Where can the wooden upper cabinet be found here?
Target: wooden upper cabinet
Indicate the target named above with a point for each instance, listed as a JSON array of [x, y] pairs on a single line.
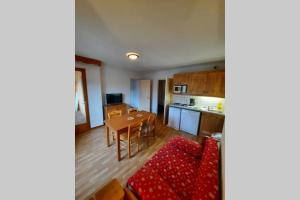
[[198, 84], [207, 83], [176, 79], [181, 79], [216, 84]]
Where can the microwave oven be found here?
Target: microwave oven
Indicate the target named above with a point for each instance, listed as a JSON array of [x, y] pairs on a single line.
[[177, 89], [180, 89]]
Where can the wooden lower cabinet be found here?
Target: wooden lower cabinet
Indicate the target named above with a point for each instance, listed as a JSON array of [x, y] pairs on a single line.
[[211, 123], [108, 108]]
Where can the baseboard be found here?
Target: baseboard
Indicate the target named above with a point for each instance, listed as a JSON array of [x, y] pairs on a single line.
[[97, 126]]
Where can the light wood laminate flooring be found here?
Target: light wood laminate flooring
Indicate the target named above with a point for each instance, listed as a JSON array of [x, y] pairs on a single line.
[[96, 164]]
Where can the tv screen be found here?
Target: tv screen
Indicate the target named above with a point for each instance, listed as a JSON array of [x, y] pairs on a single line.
[[114, 98]]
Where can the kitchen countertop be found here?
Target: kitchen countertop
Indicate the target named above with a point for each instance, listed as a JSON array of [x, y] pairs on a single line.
[[197, 108]]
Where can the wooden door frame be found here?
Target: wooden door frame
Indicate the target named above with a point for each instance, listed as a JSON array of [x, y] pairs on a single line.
[[87, 126]]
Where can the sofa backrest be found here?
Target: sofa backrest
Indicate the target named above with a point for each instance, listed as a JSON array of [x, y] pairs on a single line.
[[207, 184], [186, 145]]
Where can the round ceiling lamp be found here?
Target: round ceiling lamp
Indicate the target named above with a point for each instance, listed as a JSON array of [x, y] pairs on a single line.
[[132, 55]]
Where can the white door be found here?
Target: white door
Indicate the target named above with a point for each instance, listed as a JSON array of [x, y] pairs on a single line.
[[189, 121], [174, 117], [145, 95]]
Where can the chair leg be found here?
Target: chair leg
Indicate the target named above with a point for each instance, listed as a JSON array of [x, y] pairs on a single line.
[[129, 148], [113, 135], [147, 137], [138, 144]]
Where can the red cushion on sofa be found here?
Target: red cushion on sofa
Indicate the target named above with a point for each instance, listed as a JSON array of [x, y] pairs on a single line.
[[150, 186], [186, 145], [206, 186], [177, 168]]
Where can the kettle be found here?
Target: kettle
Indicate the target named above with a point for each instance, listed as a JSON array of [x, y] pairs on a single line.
[[192, 101]]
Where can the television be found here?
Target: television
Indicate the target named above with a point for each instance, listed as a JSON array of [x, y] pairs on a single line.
[[115, 98]]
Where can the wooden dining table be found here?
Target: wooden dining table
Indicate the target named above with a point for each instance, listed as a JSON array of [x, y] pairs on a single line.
[[120, 125]]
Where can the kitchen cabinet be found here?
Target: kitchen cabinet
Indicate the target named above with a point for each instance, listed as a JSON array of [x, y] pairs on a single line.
[[189, 121], [207, 83], [181, 79], [174, 117], [211, 123], [198, 84], [215, 84]]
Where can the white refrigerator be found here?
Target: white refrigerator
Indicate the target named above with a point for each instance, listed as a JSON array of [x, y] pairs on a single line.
[[174, 117], [190, 121]]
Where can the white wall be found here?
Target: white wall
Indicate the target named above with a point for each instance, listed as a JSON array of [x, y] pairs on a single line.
[[94, 90], [117, 80], [162, 74], [134, 93]]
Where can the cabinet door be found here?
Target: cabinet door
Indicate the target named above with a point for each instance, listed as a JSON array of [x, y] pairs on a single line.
[[185, 79], [189, 121], [198, 84], [215, 84], [211, 123], [180, 79], [174, 117], [176, 79]]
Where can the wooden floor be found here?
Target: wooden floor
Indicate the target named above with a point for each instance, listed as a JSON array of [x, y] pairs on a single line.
[[96, 164]]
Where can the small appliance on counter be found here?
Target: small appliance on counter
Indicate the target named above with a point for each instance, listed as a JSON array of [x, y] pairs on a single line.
[[192, 101], [219, 106]]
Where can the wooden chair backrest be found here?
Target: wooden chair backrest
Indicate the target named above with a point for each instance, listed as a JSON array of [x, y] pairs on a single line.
[[114, 113], [131, 110], [135, 129], [152, 120]]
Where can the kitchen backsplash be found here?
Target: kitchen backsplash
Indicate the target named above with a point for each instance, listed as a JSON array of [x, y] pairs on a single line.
[[199, 100]]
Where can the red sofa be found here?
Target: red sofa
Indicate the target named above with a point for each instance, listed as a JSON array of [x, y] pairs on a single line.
[[181, 169]]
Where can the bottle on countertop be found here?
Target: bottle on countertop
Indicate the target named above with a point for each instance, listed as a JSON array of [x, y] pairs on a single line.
[[220, 106]]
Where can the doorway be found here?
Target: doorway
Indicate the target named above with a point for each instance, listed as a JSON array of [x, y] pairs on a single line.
[[161, 99], [82, 118]]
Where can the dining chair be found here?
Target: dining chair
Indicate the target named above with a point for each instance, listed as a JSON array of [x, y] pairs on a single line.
[[114, 114], [133, 134], [150, 125], [131, 110]]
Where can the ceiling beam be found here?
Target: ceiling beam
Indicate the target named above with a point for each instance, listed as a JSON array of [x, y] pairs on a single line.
[[88, 60]]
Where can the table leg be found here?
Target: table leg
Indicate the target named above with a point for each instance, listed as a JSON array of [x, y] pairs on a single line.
[[107, 135], [118, 146]]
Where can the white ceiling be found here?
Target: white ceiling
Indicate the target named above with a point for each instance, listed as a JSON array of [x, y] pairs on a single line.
[[166, 33]]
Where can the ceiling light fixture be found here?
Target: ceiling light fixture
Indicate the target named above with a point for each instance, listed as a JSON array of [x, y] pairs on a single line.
[[132, 55]]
